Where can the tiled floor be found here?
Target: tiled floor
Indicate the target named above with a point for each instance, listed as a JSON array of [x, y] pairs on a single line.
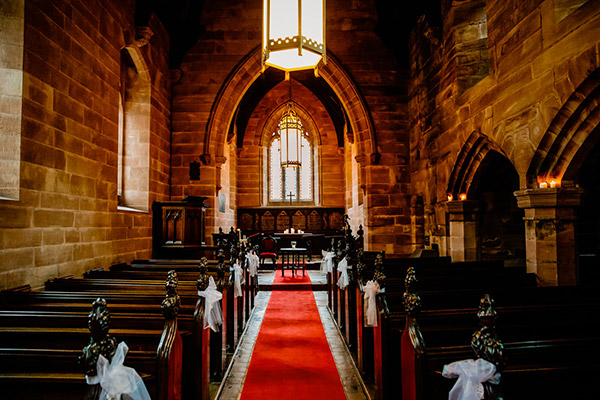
[[231, 387]]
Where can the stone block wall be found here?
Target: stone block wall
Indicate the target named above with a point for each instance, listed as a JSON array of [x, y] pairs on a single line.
[[66, 219], [536, 61], [233, 32]]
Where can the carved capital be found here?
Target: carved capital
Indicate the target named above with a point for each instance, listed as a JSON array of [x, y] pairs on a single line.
[[142, 35], [206, 159]]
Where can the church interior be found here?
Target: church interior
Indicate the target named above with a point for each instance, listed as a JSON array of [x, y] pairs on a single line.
[[443, 149]]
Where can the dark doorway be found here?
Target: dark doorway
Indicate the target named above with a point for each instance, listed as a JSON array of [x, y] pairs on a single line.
[[501, 226], [587, 230]]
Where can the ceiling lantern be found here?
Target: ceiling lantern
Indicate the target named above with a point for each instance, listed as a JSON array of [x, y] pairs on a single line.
[[290, 133], [293, 34]]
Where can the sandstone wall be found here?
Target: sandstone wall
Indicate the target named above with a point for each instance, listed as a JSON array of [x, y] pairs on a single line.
[[539, 53], [65, 220], [233, 31]]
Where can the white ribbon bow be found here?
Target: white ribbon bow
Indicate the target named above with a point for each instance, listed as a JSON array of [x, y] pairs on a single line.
[[238, 279], [116, 379], [252, 263], [213, 315], [343, 268], [471, 374], [371, 289], [327, 262]]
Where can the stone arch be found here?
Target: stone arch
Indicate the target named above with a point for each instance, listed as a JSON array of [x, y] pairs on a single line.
[[274, 118], [249, 69], [469, 159], [571, 134]]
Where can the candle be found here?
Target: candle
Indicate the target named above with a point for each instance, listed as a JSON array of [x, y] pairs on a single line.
[[450, 197], [552, 184], [292, 230], [463, 196], [543, 185], [239, 234]]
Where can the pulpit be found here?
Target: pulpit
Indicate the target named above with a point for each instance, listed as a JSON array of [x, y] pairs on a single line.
[[178, 229]]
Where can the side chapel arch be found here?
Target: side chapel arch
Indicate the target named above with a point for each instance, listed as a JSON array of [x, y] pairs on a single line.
[[469, 159], [571, 135]]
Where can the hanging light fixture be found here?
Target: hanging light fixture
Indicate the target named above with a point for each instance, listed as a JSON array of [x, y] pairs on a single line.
[[290, 134], [293, 34]]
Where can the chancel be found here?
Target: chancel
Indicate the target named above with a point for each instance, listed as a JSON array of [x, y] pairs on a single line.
[[299, 199]]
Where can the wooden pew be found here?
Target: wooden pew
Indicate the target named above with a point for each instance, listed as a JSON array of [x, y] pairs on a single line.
[[468, 276], [543, 356], [39, 351]]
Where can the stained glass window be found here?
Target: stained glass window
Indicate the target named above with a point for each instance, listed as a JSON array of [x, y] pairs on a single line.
[[295, 183]]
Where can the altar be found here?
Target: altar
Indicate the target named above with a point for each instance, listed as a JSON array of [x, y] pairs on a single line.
[[309, 241], [318, 224]]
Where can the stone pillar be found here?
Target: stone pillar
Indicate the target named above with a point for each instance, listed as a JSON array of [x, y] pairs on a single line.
[[550, 233], [464, 226]]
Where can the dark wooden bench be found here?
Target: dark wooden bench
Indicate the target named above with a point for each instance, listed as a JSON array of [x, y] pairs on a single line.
[[40, 349]]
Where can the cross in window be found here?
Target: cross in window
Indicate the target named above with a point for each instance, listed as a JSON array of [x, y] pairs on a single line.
[[291, 196]]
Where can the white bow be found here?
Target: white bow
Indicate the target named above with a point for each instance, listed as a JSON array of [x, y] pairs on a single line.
[[116, 379], [343, 268], [238, 279], [471, 374], [213, 316], [327, 262], [252, 263], [371, 289]]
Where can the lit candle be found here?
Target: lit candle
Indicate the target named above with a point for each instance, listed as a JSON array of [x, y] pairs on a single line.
[[543, 185], [450, 197], [292, 230], [239, 234], [552, 184], [463, 196]]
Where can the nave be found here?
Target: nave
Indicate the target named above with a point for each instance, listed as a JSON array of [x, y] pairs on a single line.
[[237, 376]]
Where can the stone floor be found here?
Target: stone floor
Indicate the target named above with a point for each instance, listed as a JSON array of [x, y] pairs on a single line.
[[231, 387]]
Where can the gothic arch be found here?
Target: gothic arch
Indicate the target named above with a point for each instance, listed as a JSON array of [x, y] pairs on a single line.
[[572, 133], [469, 159], [275, 117], [249, 69]]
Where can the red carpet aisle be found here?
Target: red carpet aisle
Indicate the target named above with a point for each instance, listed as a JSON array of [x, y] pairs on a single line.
[[291, 358]]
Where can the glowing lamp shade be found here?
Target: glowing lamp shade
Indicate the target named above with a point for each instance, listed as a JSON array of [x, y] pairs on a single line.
[[293, 34], [290, 132]]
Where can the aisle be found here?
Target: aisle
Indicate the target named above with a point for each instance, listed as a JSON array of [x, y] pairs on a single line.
[[291, 358], [231, 387]]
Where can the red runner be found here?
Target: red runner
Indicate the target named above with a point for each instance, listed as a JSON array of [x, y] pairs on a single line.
[[291, 358], [287, 279]]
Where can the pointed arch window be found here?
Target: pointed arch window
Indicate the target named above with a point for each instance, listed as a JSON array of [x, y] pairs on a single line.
[[291, 181]]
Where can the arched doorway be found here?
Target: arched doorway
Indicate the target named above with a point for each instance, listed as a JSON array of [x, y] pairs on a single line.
[[501, 227], [587, 229]]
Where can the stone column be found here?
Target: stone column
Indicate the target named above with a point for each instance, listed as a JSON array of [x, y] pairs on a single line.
[[550, 233], [464, 226]]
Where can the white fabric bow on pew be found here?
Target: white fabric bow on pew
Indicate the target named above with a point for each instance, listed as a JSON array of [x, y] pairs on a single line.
[[471, 374], [252, 263], [118, 381], [238, 279], [343, 268], [327, 262], [213, 315], [371, 289]]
